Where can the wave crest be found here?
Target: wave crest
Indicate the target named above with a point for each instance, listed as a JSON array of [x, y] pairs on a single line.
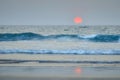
[[33, 36], [75, 52]]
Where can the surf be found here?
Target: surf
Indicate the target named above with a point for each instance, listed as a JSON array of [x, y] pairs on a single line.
[[69, 52], [34, 36]]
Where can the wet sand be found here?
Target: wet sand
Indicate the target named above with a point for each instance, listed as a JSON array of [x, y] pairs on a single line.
[[53, 60], [59, 73]]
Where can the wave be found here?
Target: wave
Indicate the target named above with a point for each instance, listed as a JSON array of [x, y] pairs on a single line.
[[9, 61], [75, 52], [33, 36]]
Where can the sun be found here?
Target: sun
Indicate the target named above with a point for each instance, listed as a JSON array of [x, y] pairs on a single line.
[[78, 70], [78, 20]]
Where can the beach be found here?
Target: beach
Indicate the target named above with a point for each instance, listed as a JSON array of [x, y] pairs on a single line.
[[59, 72], [48, 67], [63, 52], [59, 60]]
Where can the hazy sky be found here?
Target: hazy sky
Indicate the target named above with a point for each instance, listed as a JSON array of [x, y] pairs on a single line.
[[59, 12]]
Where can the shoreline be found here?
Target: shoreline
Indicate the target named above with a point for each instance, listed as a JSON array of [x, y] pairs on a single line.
[[59, 60]]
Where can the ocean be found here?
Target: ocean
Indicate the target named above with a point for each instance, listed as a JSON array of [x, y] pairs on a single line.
[[66, 39], [55, 52]]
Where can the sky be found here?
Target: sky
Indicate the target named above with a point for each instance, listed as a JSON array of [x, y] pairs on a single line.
[[59, 12]]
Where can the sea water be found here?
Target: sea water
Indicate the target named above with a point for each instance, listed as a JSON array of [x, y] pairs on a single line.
[[60, 39]]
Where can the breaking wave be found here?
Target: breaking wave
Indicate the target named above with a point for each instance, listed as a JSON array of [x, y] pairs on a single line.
[[75, 52], [34, 36]]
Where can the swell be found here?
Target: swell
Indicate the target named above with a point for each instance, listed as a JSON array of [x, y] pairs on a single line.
[[9, 61], [74, 52], [34, 36]]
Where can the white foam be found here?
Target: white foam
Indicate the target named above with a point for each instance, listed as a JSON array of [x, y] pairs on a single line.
[[61, 51]]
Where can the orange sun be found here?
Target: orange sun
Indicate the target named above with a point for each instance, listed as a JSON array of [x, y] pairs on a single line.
[[78, 20], [78, 70]]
